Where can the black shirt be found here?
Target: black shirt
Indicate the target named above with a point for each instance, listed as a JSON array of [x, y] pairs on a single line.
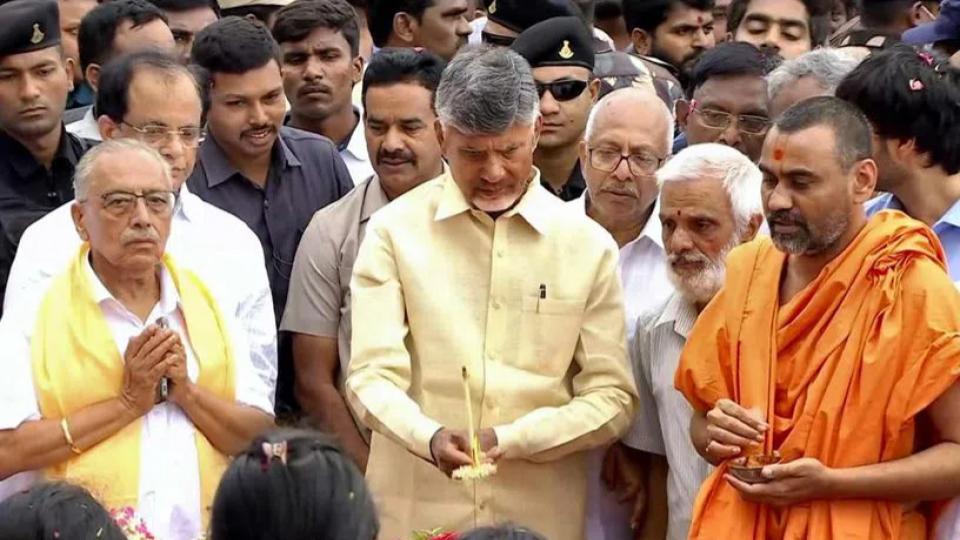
[[28, 191], [572, 189], [306, 174]]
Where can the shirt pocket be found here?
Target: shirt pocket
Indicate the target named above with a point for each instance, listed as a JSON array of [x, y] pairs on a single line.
[[549, 332]]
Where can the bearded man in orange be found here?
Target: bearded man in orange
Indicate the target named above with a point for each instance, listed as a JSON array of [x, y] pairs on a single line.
[[834, 342]]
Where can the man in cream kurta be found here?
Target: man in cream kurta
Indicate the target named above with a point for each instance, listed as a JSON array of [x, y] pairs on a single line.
[[528, 301]]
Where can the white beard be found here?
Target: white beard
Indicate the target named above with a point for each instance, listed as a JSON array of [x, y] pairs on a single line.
[[701, 287]]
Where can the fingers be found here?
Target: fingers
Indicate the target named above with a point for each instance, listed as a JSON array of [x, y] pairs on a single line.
[[159, 352], [752, 418], [454, 457], [136, 342], [494, 455], [746, 433], [727, 438], [722, 451]]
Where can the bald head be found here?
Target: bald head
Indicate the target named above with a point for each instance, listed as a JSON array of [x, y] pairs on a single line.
[[633, 110]]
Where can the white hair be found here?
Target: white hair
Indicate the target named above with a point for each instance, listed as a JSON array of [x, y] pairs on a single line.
[[740, 177], [83, 173], [640, 95], [827, 66]]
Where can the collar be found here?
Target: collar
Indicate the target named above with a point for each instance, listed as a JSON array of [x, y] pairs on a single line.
[[374, 198], [23, 162], [169, 297], [533, 206], [652, 230], [356, 144], [889, 201], [679, 313], [188, 209], [218, 168]]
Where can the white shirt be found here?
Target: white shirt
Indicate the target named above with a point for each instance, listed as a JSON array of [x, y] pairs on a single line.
[[86, 127], [643, 273], [169, 490], [355, 155], [662, 426]]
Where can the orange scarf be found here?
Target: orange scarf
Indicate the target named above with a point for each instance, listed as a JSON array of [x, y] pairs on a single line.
[[841, 371]]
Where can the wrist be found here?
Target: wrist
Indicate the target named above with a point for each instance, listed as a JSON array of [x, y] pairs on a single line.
[[836, 482], [184, 394], [433, 454]]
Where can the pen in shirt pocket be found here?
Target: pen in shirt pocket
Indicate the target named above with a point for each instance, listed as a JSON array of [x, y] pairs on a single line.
[[543, 295]]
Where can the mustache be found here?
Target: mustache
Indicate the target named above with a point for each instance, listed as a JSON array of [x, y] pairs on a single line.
[[130, 236], [688, 257], [314, 88], [248, 131], [786, 217], [397, 155]]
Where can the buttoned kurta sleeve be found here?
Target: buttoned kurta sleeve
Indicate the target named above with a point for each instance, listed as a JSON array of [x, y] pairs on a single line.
[[380, 365], [605, 396]]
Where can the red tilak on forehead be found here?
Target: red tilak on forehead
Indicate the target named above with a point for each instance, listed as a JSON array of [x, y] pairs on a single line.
[[699, 19], [778, 154]]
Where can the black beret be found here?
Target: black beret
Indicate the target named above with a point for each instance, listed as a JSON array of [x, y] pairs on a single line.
[[560, 41], [28, 25], [518, 15]]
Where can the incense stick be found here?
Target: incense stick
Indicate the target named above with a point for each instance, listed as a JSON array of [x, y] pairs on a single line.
[[474, 443]]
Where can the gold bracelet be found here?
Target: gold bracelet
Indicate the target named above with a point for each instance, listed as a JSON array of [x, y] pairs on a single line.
[[66, 435]]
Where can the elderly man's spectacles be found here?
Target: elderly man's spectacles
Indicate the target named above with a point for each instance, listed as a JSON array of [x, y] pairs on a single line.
[[750, 124], [155, 135], [122, 203], [640, 164]]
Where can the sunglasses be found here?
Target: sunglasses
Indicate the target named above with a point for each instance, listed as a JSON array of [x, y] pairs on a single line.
[[562, 90], [496, 39]]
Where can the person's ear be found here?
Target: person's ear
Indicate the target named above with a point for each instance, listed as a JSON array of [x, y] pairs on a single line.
[[642, 41], [683, 113], [71, 68], [537, 128], [584, 152], [864, 180], [594, 88], [92, 76], [76, 212], [357, 75], [405, 27], [906, 151], [108, 128], [753, 226], [441, 139]]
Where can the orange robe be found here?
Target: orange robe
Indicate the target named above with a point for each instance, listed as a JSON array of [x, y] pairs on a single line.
[[841, 370]]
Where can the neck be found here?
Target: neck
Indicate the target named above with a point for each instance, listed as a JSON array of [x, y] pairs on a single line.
[[394, 193], [42, 148], [137, 290], [336, 127], [623, 229], [929, 194], [800, 270], [556, 164]]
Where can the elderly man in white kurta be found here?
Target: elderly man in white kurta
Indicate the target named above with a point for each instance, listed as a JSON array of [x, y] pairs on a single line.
[[483, 268], [82, 398]]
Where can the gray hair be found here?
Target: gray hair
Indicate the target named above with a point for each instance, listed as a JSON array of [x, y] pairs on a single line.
[[485, 90], [741, 178], [640, 95], [83, 173], [827, 66]]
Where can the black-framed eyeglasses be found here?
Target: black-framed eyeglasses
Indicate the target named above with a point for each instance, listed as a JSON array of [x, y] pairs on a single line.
[[640, 164], [155, 135], [496, 39], [750, 124], [564, 90], [122, 203]]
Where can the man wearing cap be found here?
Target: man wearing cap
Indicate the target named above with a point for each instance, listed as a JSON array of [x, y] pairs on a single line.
[[943, 33], [507, 19], [440, 26], [560, 51], [264, 11], [39, 156]]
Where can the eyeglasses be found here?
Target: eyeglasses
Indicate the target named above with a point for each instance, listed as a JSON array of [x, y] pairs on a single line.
[[562, 90], [155, 135], [746, 123], [122, 203], [496, 39], [640, 164]]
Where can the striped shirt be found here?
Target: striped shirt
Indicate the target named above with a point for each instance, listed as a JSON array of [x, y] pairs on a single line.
[[662, 427]]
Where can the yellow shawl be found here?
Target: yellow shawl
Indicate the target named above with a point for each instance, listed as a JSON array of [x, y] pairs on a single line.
[[76, 364]]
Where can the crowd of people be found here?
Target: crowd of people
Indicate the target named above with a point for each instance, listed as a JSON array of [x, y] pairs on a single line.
[[487, 270]]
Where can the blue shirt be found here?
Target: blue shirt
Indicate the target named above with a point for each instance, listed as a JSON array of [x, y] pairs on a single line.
[[947, 228]]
